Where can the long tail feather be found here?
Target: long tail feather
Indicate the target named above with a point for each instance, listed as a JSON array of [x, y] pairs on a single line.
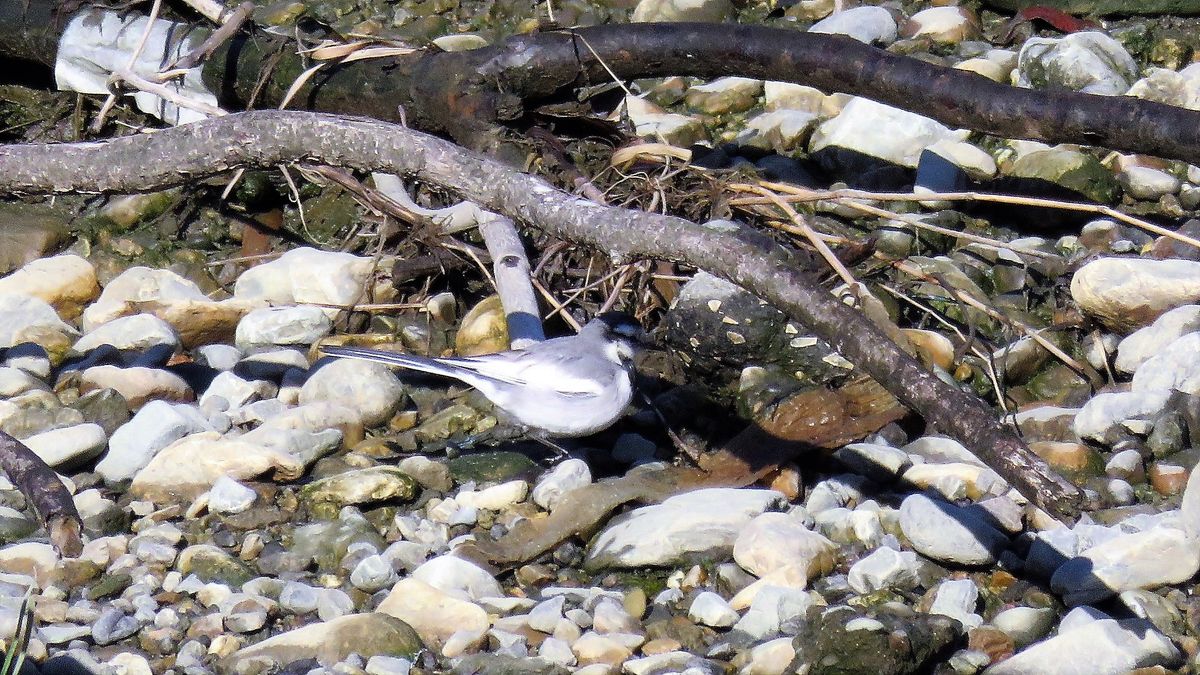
[[410, 361]]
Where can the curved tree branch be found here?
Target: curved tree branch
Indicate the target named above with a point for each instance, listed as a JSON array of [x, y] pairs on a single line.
[[177, 155]]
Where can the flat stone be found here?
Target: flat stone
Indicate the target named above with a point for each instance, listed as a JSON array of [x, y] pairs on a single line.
[[948, 533], [693, 525], [307, 275], [138, 332], [331, 642], [878, 130], [1102, 417], [137, 384], [300, 325], [68, 446], [1151, 558], [137, 285], [190, 466], [1104, 647], [154, 427]]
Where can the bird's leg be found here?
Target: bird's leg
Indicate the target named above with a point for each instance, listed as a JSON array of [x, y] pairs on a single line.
[[560, 453]]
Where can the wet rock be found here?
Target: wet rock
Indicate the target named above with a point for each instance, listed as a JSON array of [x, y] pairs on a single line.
[[370, 389], [491, 467], [881, 131], [1089, 62], [66, 282], [844, 641], [669, 532], [329, 642], [865, 24], [213, 565], [1074, 170], [1127, 293], [949, 533], [1106, 646], [300, 325], [362, 486], [717, 324]]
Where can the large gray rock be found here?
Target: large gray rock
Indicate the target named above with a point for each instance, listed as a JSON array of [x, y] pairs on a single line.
[[948, 533], [154, 427]]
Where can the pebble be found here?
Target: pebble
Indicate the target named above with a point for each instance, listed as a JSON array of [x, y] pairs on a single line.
[[190, 466], [1172, 367], [307, 275], [68, 446], [884, 568], [228, 496], [948, 533], [872, 25], [138, 385], [956, 598], [67, 282], [22, 317], [458, 578], [710, 609], [566, 476], [773, 541], [433, 614], [1148, 559]]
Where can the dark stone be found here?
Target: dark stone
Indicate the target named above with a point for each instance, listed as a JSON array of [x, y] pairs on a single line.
[[908, 644]]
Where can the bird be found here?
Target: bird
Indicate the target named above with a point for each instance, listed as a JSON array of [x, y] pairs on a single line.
[[565, 387]]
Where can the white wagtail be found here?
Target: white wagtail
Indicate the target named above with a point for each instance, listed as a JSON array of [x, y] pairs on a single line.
[[565, 387]]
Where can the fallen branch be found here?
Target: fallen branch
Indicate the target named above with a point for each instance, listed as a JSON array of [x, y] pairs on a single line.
[[45, 492], [179, 155]]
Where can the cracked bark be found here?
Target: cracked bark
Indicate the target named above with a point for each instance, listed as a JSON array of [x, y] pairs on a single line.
[[263, 139], [44, 491]]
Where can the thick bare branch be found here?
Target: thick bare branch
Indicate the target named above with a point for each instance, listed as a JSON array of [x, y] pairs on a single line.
[[174, 156]]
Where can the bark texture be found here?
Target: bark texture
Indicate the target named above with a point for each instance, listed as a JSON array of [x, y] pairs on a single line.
[[174, 156]]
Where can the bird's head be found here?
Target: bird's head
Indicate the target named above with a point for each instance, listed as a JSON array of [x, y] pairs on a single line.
[[621, 331]]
